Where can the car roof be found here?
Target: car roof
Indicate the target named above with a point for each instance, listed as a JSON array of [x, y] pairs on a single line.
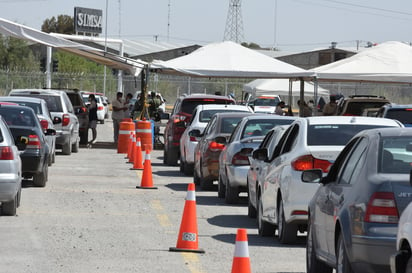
[[232, 114], [268, 116], [397, 106], [350, 120], [202, 96], [22, 99], [37, 91], [222, 106]]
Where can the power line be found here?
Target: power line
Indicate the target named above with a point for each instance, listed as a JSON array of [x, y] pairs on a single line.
[[369, 7]]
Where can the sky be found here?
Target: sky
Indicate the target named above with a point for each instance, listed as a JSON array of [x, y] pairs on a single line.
[[288, 25]]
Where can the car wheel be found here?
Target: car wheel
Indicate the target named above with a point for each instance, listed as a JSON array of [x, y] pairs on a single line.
[[287, 232], [313, 265], [9, 208], [264, 228], [231, 194], [50, 160], [40, 179], [342, 261], [54, 157], [84, 137], [75, 147], [102, 121], [251, 210], [164, 156], [181, 167], [221, 189], [409, 265], [187, 169], [19, 197], [67, 148]]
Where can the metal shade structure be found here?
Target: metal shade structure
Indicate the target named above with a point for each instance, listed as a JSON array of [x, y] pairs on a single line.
[[9, 28]]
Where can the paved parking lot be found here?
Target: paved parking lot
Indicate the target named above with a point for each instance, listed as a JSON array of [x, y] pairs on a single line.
[[91, 218]]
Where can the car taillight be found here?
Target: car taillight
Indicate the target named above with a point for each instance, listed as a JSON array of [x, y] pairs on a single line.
[[84, 109], [308, 162], [350, 115], [240, 159], [214, 146], [6, 153], [65, 119], [100, 108], [34, 142], [382, 208], [178, 118], [193, 139], [44, 124]]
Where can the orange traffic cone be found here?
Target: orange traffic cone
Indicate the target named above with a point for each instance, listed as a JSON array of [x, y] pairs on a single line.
[[241, 262], [132, 144], [147, 181], [137, 162], [187, 240]]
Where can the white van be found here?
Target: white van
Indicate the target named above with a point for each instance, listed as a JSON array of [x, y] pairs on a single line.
[[264, 103]]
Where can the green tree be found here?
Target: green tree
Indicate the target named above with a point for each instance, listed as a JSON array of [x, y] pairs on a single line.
[[64, 24], [16, 54]]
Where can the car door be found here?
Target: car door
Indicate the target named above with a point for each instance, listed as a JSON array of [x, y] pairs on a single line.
[[204, 143], [338, 191]]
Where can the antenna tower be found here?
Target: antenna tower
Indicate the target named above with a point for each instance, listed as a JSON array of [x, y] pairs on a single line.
[[234, 22]]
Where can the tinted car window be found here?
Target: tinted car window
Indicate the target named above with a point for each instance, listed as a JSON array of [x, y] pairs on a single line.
[[189, 105], [229, 124], [353, 164], [403, 115], [260, 127], [395, 155], [35, 106], [17, 117], [266, 102], [356, 108], [53, 102], [206, 115], [332, 134]]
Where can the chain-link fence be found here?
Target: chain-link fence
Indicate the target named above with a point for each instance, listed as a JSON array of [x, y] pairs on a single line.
[[172, 87]]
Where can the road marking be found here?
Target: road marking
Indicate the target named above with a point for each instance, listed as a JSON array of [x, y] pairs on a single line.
[[191, 259]]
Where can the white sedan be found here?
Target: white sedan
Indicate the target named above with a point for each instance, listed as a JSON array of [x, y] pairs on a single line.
[[401, 261]]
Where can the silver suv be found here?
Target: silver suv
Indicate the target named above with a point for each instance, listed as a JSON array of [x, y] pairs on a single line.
[[61, 109]]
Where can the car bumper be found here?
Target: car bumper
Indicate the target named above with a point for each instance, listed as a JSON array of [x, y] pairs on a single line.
[[32, 163], [9, 186], [190, 152], [100, 115], [372, 254], [237, 175], [62, 137]]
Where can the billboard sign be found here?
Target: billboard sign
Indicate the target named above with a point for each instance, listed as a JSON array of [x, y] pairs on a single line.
[[88, 20]]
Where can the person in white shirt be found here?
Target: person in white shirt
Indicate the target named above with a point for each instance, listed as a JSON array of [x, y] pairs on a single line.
[[118, 109]]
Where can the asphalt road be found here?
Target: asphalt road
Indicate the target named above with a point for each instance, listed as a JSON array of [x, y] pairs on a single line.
[[91, 218]]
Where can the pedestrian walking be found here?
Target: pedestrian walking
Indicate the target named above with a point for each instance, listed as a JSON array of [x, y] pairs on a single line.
[[93, 117]]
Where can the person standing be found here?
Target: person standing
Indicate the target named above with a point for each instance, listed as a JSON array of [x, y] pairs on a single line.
[[154, 104], [279, 108], [118, 110], [93, 117], [128, 103], [331, 108]]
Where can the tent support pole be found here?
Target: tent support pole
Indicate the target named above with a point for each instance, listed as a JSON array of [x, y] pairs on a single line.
[[302, 96]]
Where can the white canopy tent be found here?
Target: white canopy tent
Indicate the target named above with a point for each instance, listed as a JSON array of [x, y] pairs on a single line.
[[280, 87], [228, 60], [389, 62]]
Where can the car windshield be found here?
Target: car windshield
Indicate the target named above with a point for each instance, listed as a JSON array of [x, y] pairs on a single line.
[[206, 115], [17, 117], [335, 134], [260, 127], [266, 101], [395, 155], [189, 105], [404, 115]]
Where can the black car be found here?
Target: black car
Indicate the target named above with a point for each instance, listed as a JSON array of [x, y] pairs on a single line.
[[23, 122], [82, 113], [354, 215]]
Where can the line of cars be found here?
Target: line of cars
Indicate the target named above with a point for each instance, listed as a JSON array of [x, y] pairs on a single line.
[[33, 124], [342, 181]]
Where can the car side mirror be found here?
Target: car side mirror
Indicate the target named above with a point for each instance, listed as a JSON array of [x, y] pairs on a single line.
[[312, 176], [57, 120], [221, 140], [50, 132], [195, 133], [260, 154]]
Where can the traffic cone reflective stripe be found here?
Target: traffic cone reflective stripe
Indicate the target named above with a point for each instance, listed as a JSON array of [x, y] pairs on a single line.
[[147, 180], [137, 162], [133, 143], [241, 261], [130, 146], [187, 240]]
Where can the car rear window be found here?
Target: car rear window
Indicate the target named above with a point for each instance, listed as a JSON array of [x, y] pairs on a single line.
[[17, 117], [75, 99], [35, 106], [266, 101], [206, 115], [403, 115], [190, 104], [356, 108], [228, 124], [335, 134], [395, 155], [53, 102], [260, 127]]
